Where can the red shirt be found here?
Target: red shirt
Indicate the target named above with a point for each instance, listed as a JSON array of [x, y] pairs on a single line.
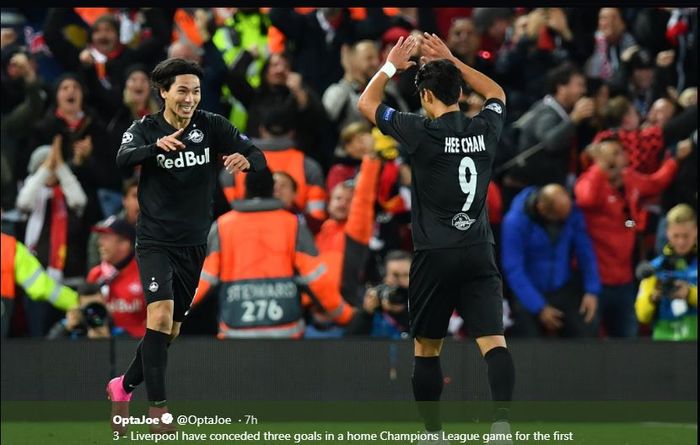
[[606, 209], [125, 299]]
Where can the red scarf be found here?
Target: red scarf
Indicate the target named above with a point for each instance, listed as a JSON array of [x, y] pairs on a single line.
[[72, 125], [59, 230]]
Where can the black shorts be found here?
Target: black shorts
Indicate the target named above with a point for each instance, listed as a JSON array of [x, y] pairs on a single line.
[[466, 279], [170, 273]]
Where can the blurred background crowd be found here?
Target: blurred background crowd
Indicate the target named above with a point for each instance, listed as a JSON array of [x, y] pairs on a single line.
[[593, 201]]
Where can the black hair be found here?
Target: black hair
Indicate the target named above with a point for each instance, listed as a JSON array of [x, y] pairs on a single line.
[[279, 118], [163, 75], [397, 255], [442, 78], [561, 75], [288, 176], [128, 184], [109, 19], [259, 184]]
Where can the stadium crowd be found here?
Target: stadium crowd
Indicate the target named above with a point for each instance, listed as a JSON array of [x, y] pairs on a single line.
[[593, 203]]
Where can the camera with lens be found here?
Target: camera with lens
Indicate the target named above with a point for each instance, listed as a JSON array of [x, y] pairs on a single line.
[[393, 294], [666, 271], [95, 315]]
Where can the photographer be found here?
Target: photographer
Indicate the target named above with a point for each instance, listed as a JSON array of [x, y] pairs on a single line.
[[668, 294], [385, 310], [90, 320]]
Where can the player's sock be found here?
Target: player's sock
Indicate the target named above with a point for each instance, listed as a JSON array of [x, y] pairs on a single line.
[[427, 387], [501, 378], [134, 374], [155, 358]]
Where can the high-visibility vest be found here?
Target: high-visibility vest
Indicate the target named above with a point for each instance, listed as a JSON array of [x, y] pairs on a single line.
[[310, 197], [9, 245], [258, 296]]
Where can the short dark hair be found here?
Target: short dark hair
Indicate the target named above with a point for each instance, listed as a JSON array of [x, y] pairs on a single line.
[[259, 184], [293, 181], [561, 75], [163, 75], [279, 118], [109, 19], [127, 184], [397, 255], [442, 78]]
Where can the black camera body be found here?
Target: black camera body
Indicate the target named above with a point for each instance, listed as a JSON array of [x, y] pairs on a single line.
[[393, 294], [95, 315]]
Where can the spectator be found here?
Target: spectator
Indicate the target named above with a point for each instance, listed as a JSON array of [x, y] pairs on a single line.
[[492, 23], [256, 251], [17, 125], [84, 146], [668, 298], [117, 275], [279, 88], [90, 320], [599, 91], [644, 144], [285, 190], [541, 41], [243, 43], [20, 267], [136, 102], [55, 201], [129, 212], [355, 141], [540, 232], [642, 78], [551, 125], [384, 310], [105, 56], [609, 194], [279, 148], [316, 38], [661, 111], [360, 61], [611, 40], [344, 237], [464, 41]]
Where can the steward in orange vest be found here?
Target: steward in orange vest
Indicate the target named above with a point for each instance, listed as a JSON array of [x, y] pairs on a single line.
[[264, 259], [281, 155]]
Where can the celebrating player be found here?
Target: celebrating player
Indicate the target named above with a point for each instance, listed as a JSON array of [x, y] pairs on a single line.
[[178, 150], [454, 264]]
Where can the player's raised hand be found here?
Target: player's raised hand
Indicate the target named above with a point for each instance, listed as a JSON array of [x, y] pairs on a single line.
[[434, 48], [400, 54], [236, 163], [171, 141]]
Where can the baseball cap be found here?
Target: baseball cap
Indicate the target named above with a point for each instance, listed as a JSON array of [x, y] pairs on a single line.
[[116, 226]]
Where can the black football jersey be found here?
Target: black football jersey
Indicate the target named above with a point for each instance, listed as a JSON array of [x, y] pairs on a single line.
[[176, 188], [451, 162]]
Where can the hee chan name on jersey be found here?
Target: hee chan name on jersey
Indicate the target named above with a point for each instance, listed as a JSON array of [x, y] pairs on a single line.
[[469, 144], [184, 159]]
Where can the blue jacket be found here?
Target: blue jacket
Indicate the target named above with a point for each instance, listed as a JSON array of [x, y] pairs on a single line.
[[533, 264]]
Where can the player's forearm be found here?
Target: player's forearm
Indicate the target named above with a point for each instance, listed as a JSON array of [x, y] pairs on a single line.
[[371, 98], [480, 82], [130, 156]]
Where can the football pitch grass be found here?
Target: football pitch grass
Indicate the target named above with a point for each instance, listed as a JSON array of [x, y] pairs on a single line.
[[97, 433]]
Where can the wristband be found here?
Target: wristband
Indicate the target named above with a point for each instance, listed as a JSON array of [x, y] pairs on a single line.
[[389, 69]]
